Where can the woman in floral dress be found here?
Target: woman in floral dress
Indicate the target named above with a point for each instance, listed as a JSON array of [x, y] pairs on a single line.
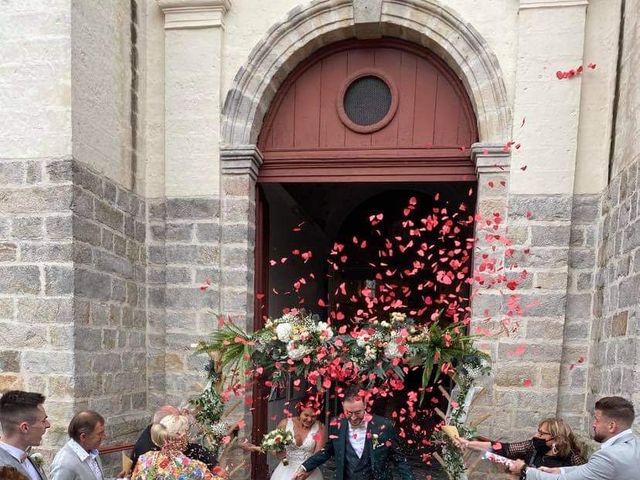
[[169, 463]]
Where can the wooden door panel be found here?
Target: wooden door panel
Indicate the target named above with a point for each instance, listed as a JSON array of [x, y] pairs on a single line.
[[433, 111], [332, 130]]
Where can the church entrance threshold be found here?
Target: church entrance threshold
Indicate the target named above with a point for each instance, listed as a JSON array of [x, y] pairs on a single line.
[[326, 246]]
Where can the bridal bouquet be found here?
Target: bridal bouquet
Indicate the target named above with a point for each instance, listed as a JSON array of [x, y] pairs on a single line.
[[276, 441]]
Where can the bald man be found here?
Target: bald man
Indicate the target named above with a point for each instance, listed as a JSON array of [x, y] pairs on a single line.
[[79, 458]]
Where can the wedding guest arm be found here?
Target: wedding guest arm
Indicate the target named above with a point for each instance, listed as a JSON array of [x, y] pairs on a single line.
[[618, 457]]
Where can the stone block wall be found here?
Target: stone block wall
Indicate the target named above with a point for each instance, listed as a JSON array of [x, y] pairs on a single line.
[[615, 352], [539, 227], [37, 283], [580, 312], [184, 254], [110, 299]]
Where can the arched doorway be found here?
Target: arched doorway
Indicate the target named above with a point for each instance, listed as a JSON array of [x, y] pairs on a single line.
[[352, 126]]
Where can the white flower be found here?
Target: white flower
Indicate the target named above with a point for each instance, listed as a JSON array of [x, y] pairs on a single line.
[[370, 353], [283, 331], [385, 324], [324, 330], [392, 350], [296, 353], [361, 341]]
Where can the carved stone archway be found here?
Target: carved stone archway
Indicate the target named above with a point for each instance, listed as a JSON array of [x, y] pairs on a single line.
[[305, 30]]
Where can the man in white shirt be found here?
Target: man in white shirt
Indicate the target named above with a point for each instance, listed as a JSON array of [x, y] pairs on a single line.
[[619, 454], [365, 446], [79, 458], [24, 422]]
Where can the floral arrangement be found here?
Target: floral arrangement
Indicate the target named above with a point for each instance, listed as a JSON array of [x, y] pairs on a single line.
[[377, 353], [209, 408], [276, 441], [452, 459]]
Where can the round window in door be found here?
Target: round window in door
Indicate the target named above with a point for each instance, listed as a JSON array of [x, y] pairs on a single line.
[[367, 102]]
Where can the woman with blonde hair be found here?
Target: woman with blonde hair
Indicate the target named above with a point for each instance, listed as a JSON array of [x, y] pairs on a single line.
[[553, 445], [171, 435]]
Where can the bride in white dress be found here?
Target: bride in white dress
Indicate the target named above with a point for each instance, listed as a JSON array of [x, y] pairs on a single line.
[[308, 438]]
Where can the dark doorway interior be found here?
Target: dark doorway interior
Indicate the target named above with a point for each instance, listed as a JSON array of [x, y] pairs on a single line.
[[313, 217]]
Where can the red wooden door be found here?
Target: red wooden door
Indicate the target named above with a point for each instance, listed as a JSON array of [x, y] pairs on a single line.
[[425, 135]]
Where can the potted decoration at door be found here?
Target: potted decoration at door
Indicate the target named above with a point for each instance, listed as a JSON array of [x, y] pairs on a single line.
[[275, 441]]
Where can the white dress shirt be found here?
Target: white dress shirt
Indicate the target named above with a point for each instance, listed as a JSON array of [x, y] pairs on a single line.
[[87, 457], [19, 455], [357, 437]]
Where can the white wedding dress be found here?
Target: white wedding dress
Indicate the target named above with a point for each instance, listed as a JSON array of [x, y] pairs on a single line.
[[296, 455]]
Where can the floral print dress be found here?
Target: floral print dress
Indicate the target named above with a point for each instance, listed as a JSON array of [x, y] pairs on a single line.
[[174, 466]]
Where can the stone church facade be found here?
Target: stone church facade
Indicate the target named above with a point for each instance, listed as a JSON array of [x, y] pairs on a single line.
[[128, 166]]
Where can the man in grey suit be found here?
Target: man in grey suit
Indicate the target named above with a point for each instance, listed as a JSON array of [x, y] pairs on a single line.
[[24, 422], [79, 458], [619, 454]]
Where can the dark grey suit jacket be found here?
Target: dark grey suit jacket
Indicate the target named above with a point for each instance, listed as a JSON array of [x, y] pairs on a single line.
[[383, 455]]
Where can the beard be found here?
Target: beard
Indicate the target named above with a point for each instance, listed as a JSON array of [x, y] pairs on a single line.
[[598, 437]]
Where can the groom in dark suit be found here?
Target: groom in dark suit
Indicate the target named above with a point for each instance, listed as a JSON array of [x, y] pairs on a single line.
[[362, 445]]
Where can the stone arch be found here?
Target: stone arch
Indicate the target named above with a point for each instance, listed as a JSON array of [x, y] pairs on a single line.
[[307, 29]]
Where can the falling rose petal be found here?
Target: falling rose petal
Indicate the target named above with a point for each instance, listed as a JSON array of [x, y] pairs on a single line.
[[204, 286], [283, 259], [527, 382], [523, 120], [496, 446], [523, 168], [560, 74], [272, 262], [259, 296], [321, 303], [580, 359], [592, 66], [519, 350]]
